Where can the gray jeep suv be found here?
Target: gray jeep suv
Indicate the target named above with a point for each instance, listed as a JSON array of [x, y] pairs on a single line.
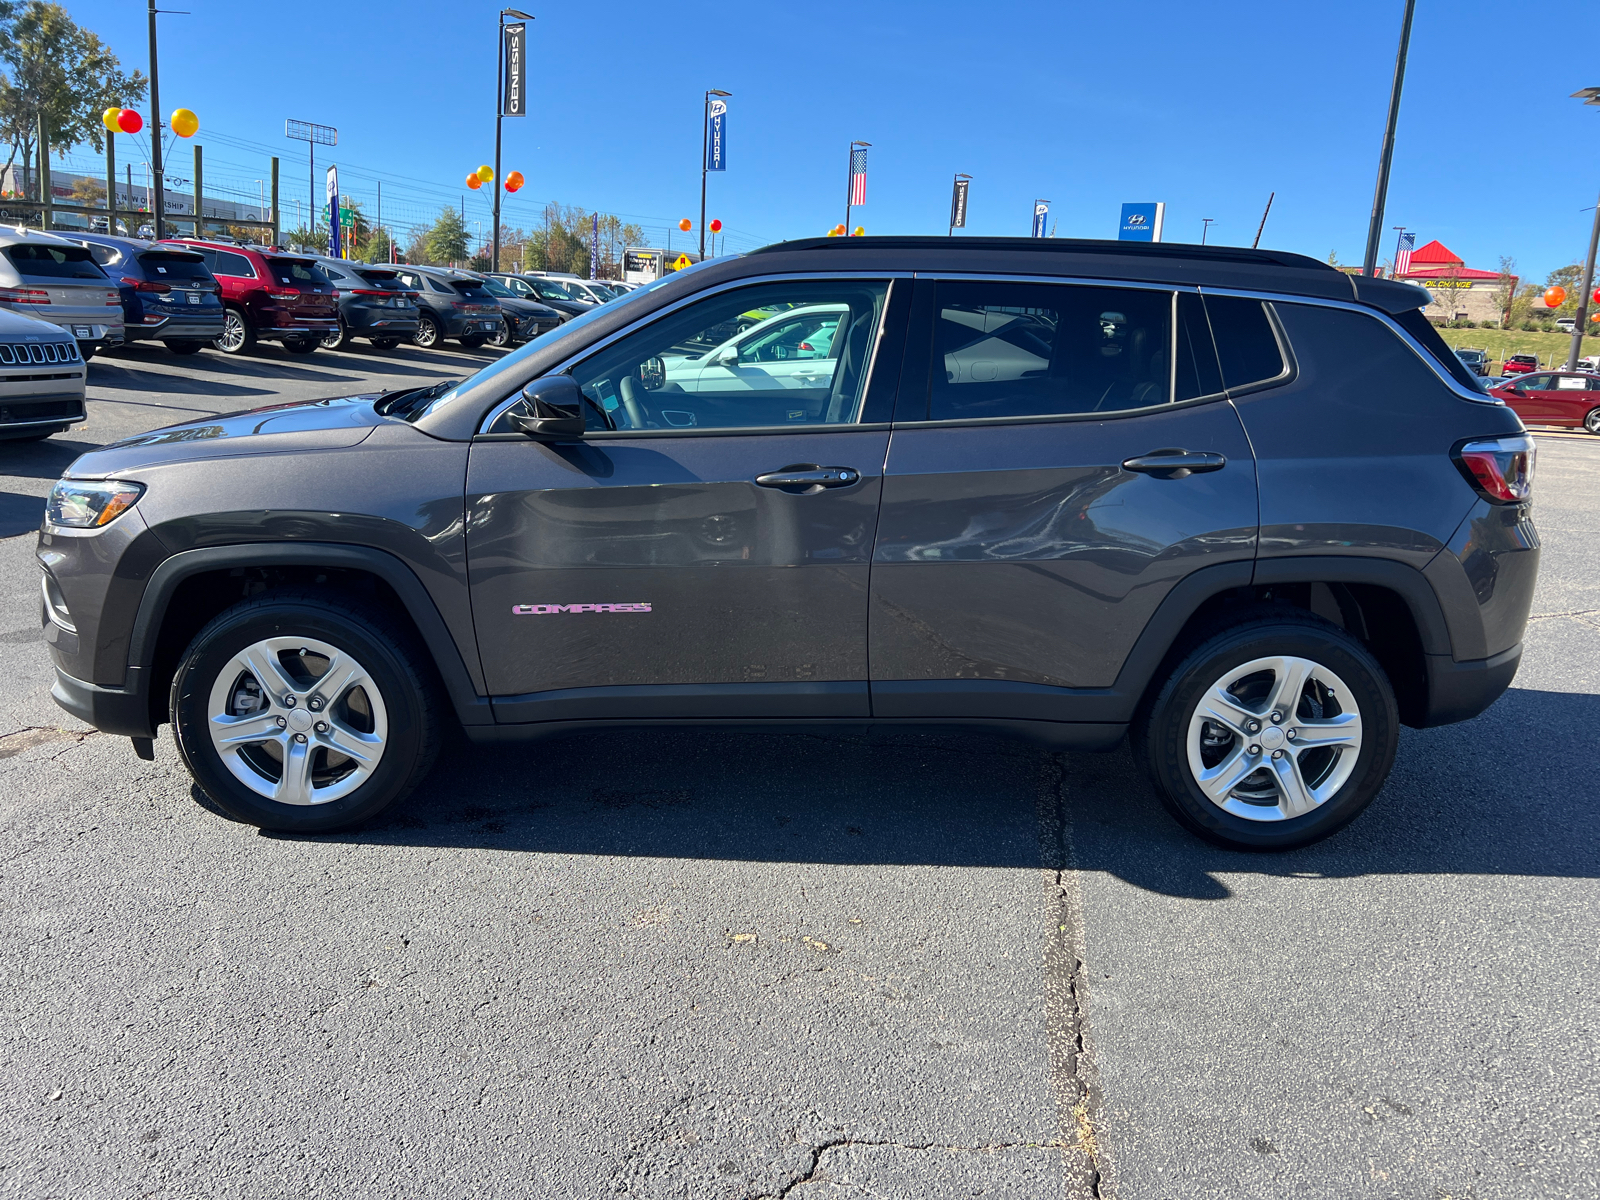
[[1238, 505]]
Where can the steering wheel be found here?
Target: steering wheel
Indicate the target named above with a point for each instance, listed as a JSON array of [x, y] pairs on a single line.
[[638, 416]]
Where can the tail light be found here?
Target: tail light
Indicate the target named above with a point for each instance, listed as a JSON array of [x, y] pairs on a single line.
[[1499, 469], [23, 295], [284, 295], [145, 285], [369, 292]]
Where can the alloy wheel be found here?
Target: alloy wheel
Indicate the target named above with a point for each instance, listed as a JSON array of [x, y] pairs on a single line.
[[297, 720], [427, 335], [233, 333], [1592, 421], [1274, 738]]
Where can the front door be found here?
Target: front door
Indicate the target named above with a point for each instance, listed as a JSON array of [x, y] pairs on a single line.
[[703, 551], [1066, 473]]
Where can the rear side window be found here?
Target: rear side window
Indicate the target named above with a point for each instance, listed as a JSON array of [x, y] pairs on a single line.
[[236, 266], [173, 268], [296, 270], [1035, 350], [54, 262], [1419, 327], [104, 255], [1247, 348]]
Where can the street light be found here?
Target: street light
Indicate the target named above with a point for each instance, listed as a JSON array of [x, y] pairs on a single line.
[[1369, 263], [1205, 228], [516, 14], [1589, 96], [705, 149]]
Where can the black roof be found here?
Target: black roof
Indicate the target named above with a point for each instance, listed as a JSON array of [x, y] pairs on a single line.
[[1235, 267]]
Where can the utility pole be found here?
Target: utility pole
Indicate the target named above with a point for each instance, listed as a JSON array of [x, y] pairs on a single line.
[[111, 184], [277, 221], [44, 176], [159, 204], [1380, 196], [1590, 96], [199, 195]]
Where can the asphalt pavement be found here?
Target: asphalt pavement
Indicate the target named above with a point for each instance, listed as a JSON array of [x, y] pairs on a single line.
[[744, 965]]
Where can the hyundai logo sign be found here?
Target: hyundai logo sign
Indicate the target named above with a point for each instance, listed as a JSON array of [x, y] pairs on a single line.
[[1141, 222]]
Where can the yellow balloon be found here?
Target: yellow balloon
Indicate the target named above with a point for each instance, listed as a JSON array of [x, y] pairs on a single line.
[[109, 119], [184, 123], [486, 173], [860, 232]]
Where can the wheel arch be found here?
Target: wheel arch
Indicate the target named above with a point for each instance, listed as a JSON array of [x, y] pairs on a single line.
[[189, 588]]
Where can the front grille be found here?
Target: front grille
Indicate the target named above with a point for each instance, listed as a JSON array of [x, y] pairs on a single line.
[[17, 353], [12, 411]]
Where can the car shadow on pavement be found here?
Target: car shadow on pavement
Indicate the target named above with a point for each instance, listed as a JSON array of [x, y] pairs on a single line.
[[120, 378], [19, 514], [1476, 798], [41, 460]]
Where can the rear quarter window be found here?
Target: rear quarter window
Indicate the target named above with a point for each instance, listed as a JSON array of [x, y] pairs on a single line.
[[1247, 346], [53, 262], [1419, 327]]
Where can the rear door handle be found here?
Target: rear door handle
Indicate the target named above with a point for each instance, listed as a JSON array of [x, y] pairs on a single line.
[[806, 478], [1175, 463]]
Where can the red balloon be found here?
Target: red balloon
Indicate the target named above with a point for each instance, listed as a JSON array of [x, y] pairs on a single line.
[[715, 227], [129, 121], [1597, 295], [474, 182]]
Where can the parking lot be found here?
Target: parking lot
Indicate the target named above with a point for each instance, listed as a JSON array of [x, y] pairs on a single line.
[[824, 965]]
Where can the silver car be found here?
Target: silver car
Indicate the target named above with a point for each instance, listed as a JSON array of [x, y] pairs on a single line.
[[42, 275], [41, 379]]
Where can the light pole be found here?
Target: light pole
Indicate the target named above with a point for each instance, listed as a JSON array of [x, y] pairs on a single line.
[[1588, 96], [1380, 197], [1205, 228], [160, 203], [500, 112], [705, 149]]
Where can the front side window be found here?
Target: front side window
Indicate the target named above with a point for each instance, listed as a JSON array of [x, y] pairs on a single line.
[[1037, 350], [780, 354]]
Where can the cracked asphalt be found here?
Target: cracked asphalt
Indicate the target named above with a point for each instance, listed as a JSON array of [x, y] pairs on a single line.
[[826, 967]]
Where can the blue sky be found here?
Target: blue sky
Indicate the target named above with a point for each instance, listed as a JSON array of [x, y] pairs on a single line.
[[1208, 106]]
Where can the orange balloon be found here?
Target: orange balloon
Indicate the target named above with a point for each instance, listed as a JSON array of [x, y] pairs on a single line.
[[474, 182], [1555, 297], [686, 224], [1594, 316], [514, 181]]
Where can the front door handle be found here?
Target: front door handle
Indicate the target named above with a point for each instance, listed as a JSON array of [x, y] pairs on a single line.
[[807, 478], [1175, 463]]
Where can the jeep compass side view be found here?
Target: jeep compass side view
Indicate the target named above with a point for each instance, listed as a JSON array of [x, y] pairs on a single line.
[[1235, 505]]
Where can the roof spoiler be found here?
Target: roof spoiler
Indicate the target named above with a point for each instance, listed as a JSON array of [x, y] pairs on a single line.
[[1392, 297]]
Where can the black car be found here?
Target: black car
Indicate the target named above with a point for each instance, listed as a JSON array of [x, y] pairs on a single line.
[[525, 319], [450, 305], [549, 291], [373, 303], [1235, 505], [1476, 361], [168, 294]]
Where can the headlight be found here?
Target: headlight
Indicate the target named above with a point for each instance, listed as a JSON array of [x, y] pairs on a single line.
[[88, 503]]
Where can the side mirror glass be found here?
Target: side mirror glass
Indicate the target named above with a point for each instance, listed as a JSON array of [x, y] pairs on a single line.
[[553, 410]]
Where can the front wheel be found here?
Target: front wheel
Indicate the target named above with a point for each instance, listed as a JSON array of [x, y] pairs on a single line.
[[294, 711], [1271, 734], [428, 334], [501, 336], [473, 340], [301, 345], [1592, 421], [385, 343]]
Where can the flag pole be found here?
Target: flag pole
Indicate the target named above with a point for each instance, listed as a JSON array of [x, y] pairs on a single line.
[[849, 185]]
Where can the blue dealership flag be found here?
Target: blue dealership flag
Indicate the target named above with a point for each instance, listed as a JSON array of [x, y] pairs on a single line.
[[333, 213], [717, 135], [1041, 217], [1141, 222]]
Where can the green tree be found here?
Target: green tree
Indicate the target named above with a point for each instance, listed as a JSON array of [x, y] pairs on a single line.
[[376, 248], [55, 73], [446, 240], [1505, 291]]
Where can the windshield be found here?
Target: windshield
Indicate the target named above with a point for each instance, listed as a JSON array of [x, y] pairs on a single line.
[[511, 361], [495, 288], [546, 287]]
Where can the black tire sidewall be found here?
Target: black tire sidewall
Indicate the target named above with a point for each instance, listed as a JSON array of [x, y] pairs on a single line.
[[1166, 734], [229, 633]]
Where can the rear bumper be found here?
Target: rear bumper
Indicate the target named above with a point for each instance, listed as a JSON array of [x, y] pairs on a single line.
[[174, 329], [124, 711], [1459, 691]]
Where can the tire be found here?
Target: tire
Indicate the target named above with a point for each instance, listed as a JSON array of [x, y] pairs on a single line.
[[428, 334], [1284, 795], [385, 343], [301, 345], [1591, 422], [237, 335], [36, 436], [387, 710], [183, 347], [473, 341], [337, 340], [87, 351], [500, 337]]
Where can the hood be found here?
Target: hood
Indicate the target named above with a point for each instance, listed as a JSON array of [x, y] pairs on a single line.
[[308, 425]]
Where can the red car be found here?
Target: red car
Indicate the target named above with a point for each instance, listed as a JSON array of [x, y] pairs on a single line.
[[1569, 398], [268, 295], [1519, 364]]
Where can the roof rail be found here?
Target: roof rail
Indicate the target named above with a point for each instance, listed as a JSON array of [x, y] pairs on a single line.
[[1185, 250]]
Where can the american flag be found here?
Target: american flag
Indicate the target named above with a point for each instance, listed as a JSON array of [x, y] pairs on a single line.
[[858, 177], [1402, 253]]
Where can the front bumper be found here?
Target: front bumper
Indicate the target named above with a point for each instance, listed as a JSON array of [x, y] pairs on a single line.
[[23, 415], [123, 711]]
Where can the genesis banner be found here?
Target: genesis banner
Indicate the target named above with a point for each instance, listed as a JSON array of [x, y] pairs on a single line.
[[513, 103], [958, 204]]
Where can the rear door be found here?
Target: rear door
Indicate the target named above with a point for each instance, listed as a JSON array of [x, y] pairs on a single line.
[[1029, 528], [1569, 399], [1534, 398], [668, 567]]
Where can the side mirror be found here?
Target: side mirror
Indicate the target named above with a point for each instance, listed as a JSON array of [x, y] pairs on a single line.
[[554, 410], [728, 358]]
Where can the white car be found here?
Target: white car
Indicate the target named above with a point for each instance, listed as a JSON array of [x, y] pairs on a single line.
[[41, 378], [792, 350]]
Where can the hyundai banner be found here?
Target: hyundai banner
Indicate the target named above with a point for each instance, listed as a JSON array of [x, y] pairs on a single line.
[[1141, 222], [333, 213], [513, 103], [717, 135], [1041, 217]]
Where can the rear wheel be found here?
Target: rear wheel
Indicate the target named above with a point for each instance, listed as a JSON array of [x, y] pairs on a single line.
[[237, 336], [338, 339], [1592, 421], [428, 334], [385, 343], [183, 347], [473, 340], [301, 345], [1271, 734], [295, 712]]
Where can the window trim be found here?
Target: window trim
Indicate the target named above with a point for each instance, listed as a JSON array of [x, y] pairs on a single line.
[[566, 364]]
